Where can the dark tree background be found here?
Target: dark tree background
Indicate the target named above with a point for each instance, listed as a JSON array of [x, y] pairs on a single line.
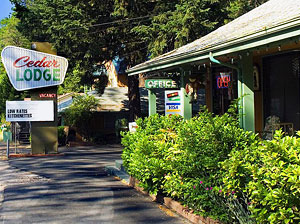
[[90, 31]]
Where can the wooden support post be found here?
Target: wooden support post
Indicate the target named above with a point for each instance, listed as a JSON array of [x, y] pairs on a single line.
[[187, 106], [152, 102], [245, 89]]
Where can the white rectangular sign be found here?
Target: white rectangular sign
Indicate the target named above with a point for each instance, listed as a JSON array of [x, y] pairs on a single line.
[[173, 102], [132, 126], [30, 110]]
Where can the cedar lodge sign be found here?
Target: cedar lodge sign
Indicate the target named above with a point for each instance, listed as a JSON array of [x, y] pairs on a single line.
[[29, 69]]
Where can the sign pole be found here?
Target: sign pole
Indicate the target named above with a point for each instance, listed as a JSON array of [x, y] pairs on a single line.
[[7, 146], [15, 137], [44, 136]]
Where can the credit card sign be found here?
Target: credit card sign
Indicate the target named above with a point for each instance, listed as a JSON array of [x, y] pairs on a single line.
[[173, 102]]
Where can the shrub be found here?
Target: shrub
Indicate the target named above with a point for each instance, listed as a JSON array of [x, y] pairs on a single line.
[[61, 135], [146, 150], [79, 114], [268, 172], [205, 141], [181, 158]]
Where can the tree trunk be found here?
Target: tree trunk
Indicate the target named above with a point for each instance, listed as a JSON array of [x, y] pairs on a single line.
[[134, 98]]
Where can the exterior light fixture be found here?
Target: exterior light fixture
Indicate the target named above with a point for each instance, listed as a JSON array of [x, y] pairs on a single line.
[[33, 46]]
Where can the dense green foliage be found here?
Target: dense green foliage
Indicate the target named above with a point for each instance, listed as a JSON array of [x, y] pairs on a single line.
[[69, 26], [237, 8], [173, 24], [9, 35], [72, 82], [88, 32], [61, 135], [92, 31], [181, 158], [217, 169], [79, 114], [268, 172]]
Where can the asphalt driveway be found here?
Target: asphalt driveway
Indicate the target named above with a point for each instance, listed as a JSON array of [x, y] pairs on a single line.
[[73, 188]]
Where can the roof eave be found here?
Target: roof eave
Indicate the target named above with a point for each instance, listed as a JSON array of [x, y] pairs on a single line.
[[284, 31]]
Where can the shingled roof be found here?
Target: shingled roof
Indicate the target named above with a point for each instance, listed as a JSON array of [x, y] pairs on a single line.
[[269, 18]]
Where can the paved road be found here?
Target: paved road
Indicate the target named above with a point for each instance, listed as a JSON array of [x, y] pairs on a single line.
[[73, 189]]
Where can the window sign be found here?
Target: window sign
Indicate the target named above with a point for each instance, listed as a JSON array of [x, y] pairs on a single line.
[[173, 102], [30, 110], [29, 69], [223, 80]]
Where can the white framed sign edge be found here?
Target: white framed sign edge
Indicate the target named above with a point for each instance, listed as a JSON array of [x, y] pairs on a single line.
[[46, 54]]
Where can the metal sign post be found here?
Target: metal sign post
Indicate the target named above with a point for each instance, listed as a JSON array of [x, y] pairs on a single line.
[[7, 146], [15, 138], [7, 136]]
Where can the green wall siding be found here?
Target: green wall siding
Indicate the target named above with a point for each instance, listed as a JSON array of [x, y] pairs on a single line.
[[245, 89]]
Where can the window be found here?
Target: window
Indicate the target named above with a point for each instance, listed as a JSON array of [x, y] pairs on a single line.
[[224, 88], [281, 88]]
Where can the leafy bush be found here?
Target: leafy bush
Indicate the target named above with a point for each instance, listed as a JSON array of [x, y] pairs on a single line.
[[268, 172], [146, 151], [79, 114], [4, 125], [61, 135], [181, 158]]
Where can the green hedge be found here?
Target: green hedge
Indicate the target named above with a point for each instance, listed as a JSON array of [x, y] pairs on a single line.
[[268, 172], [181, 158], [216, 168]]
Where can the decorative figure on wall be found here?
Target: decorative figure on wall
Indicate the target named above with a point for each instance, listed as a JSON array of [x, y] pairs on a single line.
[[193, 86], [256, 78]]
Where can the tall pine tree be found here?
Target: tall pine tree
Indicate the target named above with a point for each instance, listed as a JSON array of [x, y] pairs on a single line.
[[9, 35], [91, 31]]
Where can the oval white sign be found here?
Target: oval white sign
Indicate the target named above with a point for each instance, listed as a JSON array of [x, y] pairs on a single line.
[[29, 69]]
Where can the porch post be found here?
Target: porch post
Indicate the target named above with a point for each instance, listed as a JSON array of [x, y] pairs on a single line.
[[187, 106], [151, 102], [245, 89]]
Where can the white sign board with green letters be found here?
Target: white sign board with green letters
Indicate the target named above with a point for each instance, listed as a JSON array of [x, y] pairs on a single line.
[[29, 69], [161, 83]]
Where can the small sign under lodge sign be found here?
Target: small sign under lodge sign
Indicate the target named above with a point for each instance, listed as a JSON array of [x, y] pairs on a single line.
[[47, 95], [29, 69]]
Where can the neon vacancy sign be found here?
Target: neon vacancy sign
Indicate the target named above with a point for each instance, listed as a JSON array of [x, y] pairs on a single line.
[[29, 69]]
